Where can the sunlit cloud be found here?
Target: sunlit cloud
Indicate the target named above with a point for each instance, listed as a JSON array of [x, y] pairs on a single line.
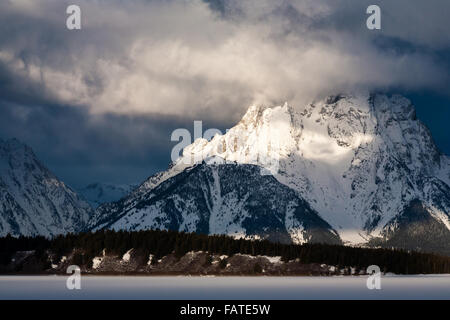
[[183, 58]]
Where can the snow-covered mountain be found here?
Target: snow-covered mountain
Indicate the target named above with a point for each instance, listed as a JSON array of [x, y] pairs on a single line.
[[32, 200], [99, 193], [362, 163], [221, 199]]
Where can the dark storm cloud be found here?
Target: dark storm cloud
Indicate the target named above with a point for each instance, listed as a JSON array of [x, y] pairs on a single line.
[[181, 57], [82, 148], [100, 103]]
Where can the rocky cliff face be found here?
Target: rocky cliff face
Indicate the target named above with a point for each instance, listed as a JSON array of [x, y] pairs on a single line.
[[222, 199], [356, 163], [32, 200]]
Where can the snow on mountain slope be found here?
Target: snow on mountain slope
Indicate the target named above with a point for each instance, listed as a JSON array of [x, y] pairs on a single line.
[[99, 193], [32, 200], [222, 199], [360, 161]]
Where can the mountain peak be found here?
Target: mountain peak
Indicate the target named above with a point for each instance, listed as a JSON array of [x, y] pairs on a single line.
[[345, 154], [33, 200], [13, 144], [358, 161], [98, 193]]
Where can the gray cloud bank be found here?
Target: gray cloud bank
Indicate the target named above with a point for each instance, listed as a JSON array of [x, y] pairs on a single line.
[[182, 57], [139, 69]]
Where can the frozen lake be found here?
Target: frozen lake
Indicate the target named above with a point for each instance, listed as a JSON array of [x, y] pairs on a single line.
[[227, 288]]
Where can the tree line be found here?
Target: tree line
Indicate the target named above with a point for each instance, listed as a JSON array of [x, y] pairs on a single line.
[[160, 243]]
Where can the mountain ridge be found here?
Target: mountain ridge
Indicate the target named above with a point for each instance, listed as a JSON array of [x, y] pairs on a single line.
[[358, 161], [33, 200], [98, 193], [356, 169]]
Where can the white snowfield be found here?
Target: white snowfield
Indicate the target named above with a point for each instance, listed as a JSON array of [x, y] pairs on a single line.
[[226, 288], [358, 160]]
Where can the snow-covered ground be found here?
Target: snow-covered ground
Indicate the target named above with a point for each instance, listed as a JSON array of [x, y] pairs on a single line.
[[139, 287]]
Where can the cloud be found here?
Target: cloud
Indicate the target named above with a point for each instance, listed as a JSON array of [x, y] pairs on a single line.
[[82, 148], [196, 58], [100, 103]]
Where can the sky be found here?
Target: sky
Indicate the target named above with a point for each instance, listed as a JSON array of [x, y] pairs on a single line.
[[99, 104]]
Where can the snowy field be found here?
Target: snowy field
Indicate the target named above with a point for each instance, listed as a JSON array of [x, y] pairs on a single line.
[[191, 288]]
